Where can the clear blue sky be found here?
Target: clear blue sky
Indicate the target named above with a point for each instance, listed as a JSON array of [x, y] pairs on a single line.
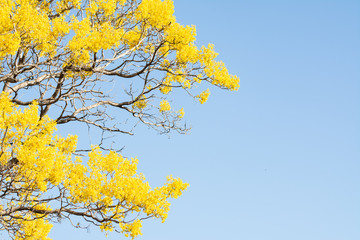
[[280, 158]]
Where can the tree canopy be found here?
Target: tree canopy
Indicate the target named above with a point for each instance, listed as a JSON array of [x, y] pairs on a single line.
[[78, 61]]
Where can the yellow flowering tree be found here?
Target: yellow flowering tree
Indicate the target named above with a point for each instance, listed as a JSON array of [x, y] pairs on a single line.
[[78, 60]]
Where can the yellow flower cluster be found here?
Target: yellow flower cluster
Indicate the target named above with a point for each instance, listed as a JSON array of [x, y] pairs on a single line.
[[25, 24], [203, 97], [9, 41], [156, 13], [29, 139], [164, 106], [176, 77], [106, 7], [45, 161], [217, 70], [181, 113], [132, 37], [141, 103], [166, 88], [90, 38], [34, 229], [133, 228]]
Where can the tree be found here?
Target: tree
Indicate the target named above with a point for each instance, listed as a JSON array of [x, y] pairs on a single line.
[[62, 58]]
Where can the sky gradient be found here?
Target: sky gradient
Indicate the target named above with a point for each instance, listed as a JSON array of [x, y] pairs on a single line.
[[280, 158]]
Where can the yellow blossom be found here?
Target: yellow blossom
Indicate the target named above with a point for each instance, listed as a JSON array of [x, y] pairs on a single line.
[[203, 97], [164, 106], [181, 113]]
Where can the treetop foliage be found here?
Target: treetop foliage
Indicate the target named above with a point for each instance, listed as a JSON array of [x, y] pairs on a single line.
[[64, 51]]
